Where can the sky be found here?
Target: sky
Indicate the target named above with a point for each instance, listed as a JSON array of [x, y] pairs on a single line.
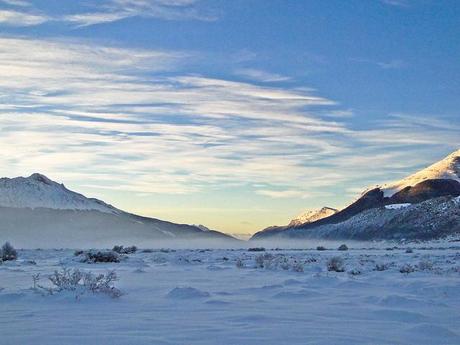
[[235, 114]]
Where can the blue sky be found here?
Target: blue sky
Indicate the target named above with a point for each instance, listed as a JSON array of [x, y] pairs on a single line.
[[234, 114]]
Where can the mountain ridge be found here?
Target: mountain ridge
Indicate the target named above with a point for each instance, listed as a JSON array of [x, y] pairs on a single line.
[[416, 188], [37, 190], [40, 210], [312, 215]]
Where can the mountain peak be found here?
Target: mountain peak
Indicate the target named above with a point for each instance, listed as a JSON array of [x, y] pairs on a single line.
[[312, 215], [40, 178], [447, 168], [38, 191]]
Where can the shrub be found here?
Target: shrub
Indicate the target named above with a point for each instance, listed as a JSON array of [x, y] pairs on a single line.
[[147, 251], [264, 260], [321, 248], [284, 265], [343, 247], [78, 252], [239, 263], [259, 259], [7, 252], [95, 257], [297, 267], [407, 268], [117, 249], [79, 282], [166, 250], [409, 251], [256, 249], [124, 250], [336, 264], [355, 272], [381, 267], [425, 265]]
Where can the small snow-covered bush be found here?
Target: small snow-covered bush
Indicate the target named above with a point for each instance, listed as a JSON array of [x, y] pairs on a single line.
[[7, 252], [264, 260], [407, 268], [321, 248], [98, 256], [166, 250], [284, 265], [409, 251], [117, 249], [381, 267], [336, 264], [256, 249], [297, 267], [355, 272], [343, 247], [78, 252], [425, 265], [79, 282], [147, 250], [124, 250], [239, 263]]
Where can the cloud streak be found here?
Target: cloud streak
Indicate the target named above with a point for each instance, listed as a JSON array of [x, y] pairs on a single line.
[[176, 134], [19, 18], [119, 120], [23, 13]]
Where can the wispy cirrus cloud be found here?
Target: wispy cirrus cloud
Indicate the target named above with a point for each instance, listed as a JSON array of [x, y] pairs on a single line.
[[397, 3], [260, 75], [19, 3], [393, 64], [20, 18], [114, 10], [176, 134], [24, 13], [113, 118], [390, 64]]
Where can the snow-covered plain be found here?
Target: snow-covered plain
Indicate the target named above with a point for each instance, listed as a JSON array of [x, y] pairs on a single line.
[[202, 297]]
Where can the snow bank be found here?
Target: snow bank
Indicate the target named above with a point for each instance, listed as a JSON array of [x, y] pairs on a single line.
[[397, 206]]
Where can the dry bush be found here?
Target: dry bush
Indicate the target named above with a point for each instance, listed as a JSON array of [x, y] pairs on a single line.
[[425, 265], [124, 250], [336, 264], [98, 256], [79, 282], [407, 268], [343, 247], [355, 272], [239, 263], [297, 267], [7, 252], [256, 249], [381, 267]]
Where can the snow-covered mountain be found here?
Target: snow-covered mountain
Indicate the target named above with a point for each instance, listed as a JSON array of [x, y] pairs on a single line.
[[447, 169], [39, 191], [312, 215], [38, 212], [430, 219], [440, 181]]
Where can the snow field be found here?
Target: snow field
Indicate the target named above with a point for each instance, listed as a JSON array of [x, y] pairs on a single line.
[[202, 297]]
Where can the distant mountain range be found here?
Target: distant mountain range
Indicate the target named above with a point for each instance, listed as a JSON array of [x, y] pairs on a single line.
[[36, 211], [424, 205]]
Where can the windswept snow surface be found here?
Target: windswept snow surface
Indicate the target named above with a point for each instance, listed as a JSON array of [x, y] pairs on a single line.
[[39, 191], [201, 297], [448, 168]]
